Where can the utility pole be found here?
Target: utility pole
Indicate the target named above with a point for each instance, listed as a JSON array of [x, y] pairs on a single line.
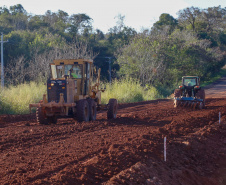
[[2, 63]]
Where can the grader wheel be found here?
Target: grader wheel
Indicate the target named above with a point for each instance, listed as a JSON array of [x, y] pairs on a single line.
[[40, 116], [112, 109], [83, 111], [92, 109]]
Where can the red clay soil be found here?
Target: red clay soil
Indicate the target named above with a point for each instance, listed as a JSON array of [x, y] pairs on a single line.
[[127, 150]]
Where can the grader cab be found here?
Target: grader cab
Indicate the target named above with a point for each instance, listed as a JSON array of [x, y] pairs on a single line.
[[72, 92]]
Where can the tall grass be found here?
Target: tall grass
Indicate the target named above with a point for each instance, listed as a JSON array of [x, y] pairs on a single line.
[[16, 99], [128, 91]]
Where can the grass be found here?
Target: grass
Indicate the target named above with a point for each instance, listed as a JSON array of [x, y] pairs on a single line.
[[16, 99], [128, 91]]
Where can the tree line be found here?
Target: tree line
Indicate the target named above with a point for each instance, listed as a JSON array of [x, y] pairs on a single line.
[[192, 44]]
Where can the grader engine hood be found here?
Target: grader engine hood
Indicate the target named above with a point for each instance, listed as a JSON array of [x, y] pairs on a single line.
[[54, 88]]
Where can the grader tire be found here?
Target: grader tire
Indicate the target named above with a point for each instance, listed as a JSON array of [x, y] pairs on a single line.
[[92, 110], [83, 111], [40, 116], [112, 109], [177, 93], [201, 95]]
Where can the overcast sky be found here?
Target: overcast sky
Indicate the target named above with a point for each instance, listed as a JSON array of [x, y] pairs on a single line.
[[138, 14]]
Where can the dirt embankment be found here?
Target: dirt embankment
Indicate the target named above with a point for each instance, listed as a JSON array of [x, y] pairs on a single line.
[[127, 150]]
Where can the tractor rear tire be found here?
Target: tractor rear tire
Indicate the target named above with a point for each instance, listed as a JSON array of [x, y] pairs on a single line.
[[92, 110], [112, 109], [83, 111], [177, 93], [201, 95], [40, 116]]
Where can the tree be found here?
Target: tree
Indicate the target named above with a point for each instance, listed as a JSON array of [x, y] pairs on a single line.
[[15, 18], [37, 23], [79, 23], [162, 59], [17, 9], [188, 16], [165, 20]]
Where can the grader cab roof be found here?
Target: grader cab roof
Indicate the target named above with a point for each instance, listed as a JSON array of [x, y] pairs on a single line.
[[71, 61]]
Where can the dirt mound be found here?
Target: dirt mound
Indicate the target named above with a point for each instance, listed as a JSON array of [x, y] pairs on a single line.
[[127, 150]]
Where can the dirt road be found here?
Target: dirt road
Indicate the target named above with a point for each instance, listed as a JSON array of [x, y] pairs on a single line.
[[127, 150]]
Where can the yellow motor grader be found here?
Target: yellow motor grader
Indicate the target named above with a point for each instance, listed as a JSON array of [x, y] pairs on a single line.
[[72, 92]]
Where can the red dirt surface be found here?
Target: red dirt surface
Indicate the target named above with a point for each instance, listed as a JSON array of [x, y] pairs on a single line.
[[127, 150]]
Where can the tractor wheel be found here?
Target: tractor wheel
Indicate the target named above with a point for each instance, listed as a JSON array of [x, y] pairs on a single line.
[[201, 95], [40, 116], [177, 93], [92, 110], [52, 119], [112, 109], [83, 111]]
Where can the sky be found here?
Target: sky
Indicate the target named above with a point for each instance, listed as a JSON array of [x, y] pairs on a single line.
[[139, 14]]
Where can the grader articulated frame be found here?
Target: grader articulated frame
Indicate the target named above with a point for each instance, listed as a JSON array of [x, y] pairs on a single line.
[[72, 92]]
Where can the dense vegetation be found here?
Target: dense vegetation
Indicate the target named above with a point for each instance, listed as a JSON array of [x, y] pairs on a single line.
[[193, 44], [156, 58]]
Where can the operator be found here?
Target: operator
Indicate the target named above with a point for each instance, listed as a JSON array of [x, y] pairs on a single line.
[[73, 74]]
